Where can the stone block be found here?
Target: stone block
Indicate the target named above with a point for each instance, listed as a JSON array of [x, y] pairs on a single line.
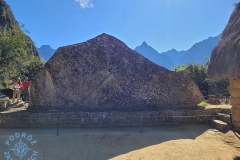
[[235, 113], [213, 100], [234, 101], [235, 92], [8, 92], [107, 118], [219, 125], [43, 119], [104, 74], [235, 83], [15, 119], [236, 125], [3, 101], [224, 117]]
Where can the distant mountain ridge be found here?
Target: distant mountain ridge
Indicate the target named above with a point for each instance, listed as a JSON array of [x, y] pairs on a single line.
[[151, 54], [168, 59], [46, 52], [196, 53]]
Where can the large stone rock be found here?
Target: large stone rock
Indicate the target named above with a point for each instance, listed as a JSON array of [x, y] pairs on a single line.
[[3, 101], [104, 74], [8, 92]]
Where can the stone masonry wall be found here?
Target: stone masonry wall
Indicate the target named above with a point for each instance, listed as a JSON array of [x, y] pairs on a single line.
[[110, 118], [235, 102]]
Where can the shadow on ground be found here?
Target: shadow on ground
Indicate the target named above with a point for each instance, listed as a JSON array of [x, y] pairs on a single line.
[[101, 143]]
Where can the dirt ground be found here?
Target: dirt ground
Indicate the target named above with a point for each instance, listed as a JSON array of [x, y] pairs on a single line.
[[166, 142]]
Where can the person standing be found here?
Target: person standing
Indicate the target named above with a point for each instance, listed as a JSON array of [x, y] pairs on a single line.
[[17, 91], [26, 89]]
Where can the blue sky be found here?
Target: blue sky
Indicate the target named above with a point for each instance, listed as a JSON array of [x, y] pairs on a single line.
[[163, 24]]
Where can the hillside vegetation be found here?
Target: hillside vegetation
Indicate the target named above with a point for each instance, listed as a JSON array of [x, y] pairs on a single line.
[[18, 54]]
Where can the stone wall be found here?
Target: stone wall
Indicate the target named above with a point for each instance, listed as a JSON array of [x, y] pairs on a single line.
[[110, 118], [235, 102]]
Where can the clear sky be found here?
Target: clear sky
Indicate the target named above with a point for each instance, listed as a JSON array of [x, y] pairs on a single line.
[[163, 24]]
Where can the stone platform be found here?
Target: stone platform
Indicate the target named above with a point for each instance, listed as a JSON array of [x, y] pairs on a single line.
[[73, 118]]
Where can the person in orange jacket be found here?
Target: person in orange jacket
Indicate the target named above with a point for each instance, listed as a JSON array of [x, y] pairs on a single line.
[[26, 89]]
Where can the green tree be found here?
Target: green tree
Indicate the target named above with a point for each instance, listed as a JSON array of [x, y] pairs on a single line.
[[198, 72]]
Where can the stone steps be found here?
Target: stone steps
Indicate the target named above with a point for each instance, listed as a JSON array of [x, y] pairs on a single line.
[[225, 118], [219, 125], [221, 122]]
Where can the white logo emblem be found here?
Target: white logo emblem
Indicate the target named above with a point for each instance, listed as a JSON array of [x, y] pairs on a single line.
[[19, 147]]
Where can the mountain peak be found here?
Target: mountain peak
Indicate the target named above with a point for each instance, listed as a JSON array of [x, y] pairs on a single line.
[[46, 52], [104, 38], [144, 43], [173, 50], [151, 54], [45, 46]]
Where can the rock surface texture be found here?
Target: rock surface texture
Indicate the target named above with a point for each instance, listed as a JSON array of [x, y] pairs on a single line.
[[224, 63], [3, 101], [104, 74]]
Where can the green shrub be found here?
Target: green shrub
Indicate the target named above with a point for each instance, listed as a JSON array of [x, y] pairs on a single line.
[[195, 70], [16, 57]]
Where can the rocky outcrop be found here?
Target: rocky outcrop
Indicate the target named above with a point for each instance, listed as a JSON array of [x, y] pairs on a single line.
[[224, 63], [104, 74], [7, 19], [3, 101]]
